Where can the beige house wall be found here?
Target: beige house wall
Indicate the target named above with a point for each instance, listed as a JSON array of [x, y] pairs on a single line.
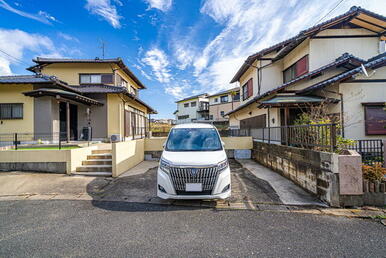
[[252, 111], [69, 72], [13, 93], [300, 51], [215, 110]]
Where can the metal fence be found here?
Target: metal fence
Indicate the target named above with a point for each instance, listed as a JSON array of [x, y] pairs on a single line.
[[370, 150], [25, 140]]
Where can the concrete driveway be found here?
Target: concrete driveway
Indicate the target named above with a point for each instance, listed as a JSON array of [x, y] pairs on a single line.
[[253, 187]]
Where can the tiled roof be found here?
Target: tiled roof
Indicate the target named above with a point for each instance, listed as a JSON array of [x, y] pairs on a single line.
[[20, 79], [35, 79], [354, 11], [98, 88], [374, 62], [41, 61], [62, 93], [339, 61]]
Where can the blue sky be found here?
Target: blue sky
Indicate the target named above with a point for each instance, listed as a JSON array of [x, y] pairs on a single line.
[[176, 47]]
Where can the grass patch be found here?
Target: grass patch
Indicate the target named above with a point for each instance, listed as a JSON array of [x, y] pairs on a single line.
[[48, 148]]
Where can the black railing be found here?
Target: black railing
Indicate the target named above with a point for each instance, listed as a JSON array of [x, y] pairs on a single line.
[[370, 150], [17, 141], [317, 137]]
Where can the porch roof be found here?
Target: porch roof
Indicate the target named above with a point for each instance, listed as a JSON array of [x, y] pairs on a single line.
[[61, 93], [294, 100]]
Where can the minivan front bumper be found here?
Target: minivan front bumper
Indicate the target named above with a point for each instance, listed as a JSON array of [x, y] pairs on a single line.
[[223, 180]]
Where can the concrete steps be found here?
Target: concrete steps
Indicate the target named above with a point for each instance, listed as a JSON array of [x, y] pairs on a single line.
[[99, 163], [92, 173]]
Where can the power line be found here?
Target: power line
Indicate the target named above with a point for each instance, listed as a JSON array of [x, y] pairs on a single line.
[[336, 6], [14, 58]]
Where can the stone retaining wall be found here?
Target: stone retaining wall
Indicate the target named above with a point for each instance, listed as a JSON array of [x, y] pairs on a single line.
[[335, 179]]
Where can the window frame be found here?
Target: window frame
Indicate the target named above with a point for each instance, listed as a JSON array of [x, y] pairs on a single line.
[[193, 104], [95, 74], [12, 117], [224, 96], [295, 73], [367, 106], [186, 105]]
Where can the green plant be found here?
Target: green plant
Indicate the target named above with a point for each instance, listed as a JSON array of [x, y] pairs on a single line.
[[373, 173]]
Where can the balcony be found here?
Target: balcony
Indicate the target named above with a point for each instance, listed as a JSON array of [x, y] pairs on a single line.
[[203, 107]]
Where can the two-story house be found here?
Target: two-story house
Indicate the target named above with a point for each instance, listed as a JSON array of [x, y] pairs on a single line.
[[221, 103], [78, 98], [339, 63], [192, 109]]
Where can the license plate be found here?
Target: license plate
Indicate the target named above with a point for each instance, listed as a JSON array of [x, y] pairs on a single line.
[[190, 187]]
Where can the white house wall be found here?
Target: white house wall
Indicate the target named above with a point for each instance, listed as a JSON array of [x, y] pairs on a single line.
[[326, 50]]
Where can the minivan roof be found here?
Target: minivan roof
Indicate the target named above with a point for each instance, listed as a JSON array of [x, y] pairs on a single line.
[[194, 125]]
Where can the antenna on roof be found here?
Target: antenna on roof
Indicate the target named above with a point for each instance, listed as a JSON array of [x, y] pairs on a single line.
[[102, 46], [364, 71]]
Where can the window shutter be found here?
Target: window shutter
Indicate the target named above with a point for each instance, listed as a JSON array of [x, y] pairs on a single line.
[[302, 66], [250, 87], [375, 120], [107, 78]]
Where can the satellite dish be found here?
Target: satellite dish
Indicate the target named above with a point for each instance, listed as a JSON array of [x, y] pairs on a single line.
[[364, 70]]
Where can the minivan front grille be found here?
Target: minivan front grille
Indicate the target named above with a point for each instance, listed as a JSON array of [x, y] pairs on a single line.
[[207, 176]]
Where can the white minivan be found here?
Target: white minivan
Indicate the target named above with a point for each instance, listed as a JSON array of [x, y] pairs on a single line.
[[193, 164]]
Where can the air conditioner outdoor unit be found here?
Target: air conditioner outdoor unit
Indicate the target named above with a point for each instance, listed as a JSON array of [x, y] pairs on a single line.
[[115, 138]]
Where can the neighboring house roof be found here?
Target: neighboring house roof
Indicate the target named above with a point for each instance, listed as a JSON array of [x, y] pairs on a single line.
[[35, 79], [346, 60], [194, 97], [287, 45], [41, 62], [224, 92], [62, 93], [372, 63]]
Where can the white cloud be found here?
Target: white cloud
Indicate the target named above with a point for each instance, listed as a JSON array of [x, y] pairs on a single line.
[[16, 42], [180, 90], [158, 61], [106, 10], [163, 5], [42, 16], [68, 37]]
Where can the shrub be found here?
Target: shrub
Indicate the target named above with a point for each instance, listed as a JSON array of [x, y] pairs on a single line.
[[373, 173]]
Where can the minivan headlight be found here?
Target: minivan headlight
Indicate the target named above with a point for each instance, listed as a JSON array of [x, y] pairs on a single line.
[[222, 165], [164, 165]]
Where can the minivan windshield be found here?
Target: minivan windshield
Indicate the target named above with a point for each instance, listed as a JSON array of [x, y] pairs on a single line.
[[193, 139]]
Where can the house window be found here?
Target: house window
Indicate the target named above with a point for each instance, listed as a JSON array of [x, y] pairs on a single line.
[[297, 69], [215, 100], [224, 98], [375, 119], [133, 91], [11, 111], [247, 89], [210, 117], [183, 117], [193, 104], [222, 113], [95, 78], [236, 97], [186, 105]]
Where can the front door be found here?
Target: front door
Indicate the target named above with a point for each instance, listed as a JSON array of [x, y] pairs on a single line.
[[72, 122]]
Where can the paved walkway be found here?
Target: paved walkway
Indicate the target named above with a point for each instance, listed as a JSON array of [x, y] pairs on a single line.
[[288, 192]]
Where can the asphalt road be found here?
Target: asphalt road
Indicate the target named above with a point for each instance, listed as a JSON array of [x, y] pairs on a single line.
[[117, 229]]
